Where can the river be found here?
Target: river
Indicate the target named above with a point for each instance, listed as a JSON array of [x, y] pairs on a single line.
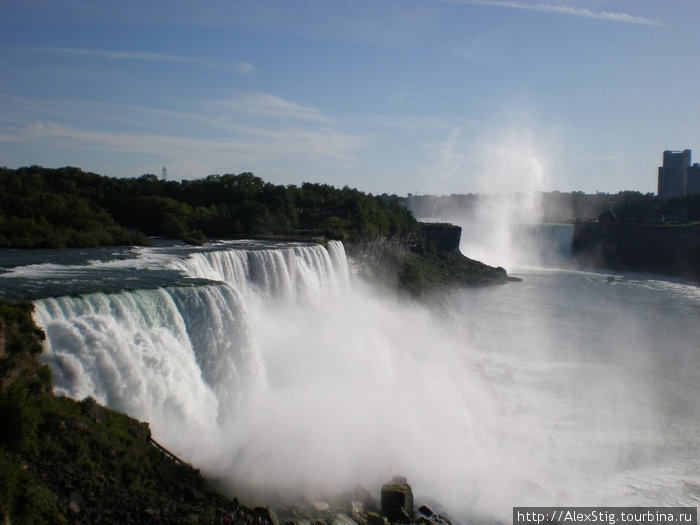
[[276, 371]]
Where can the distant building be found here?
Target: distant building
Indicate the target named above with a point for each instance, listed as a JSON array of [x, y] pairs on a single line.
[[164, 175], [677, 177], [693, 182]]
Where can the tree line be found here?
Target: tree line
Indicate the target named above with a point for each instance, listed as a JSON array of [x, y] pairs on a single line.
[[563, 207], [67, 207]]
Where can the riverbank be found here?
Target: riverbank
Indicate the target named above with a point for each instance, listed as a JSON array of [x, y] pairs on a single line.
[[671, 250], [66, 461]]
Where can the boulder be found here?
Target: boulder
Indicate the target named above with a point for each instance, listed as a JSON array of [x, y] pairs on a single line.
[[374, 518], [265, 516], [357, 496], [343, 519], [397, 501]]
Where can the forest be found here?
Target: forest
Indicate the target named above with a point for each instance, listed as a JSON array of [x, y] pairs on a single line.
[[67, 207], [567, 207]]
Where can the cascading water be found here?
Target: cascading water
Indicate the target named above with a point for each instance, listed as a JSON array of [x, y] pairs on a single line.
[[131, 351], [180, 357], [283, 274], [277, 374], [281, 377]]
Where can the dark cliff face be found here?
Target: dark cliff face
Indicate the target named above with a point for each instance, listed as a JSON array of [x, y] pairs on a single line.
[[421, 262], [666, 250], [440, 237], [428, 238]]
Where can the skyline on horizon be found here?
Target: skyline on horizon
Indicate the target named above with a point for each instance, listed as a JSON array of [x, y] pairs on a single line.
[[412, 96]]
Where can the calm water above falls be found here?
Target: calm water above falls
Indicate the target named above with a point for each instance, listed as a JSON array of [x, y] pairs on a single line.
[[267, 364]]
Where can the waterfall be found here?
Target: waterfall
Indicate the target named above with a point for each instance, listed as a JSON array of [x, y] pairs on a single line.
[[130, 351], [292, 273], [275, 374], [180, 357]]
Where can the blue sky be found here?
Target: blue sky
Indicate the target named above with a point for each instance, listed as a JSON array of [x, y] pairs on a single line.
[[397, 96]]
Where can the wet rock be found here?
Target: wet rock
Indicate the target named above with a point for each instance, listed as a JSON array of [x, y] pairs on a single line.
[[357, 510], [265, 516], [342, 519], [358, 495], [426, 511], [320, 506], [374, 518], [397, 501]]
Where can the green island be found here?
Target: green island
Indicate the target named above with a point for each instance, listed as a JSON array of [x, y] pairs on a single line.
[[66, 207]]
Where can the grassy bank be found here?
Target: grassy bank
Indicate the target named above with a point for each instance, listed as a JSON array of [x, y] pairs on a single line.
[[63, 461]]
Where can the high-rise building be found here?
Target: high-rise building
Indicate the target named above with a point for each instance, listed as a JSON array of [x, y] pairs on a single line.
[[164, 176], [677, 177], [692, 186]]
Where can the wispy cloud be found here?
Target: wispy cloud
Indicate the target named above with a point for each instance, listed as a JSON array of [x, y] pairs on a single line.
[[244, 68], [269, 105], [255, 145], [565, 10], [256, 115]]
